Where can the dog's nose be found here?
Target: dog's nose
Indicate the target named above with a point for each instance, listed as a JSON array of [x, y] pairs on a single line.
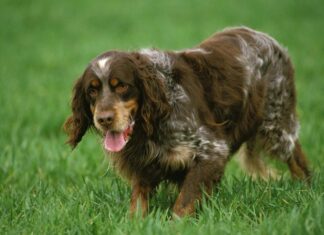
[[106, 118]]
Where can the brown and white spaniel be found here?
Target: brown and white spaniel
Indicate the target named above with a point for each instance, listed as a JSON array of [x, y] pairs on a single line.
[[178, 116]]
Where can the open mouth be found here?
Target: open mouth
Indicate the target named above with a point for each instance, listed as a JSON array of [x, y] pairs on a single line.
[[115, 141]]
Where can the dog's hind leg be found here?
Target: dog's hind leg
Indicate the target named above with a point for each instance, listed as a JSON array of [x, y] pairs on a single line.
[[285, 146], [298, 164]]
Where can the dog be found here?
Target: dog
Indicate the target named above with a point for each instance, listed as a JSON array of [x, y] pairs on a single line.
[[178, 116]]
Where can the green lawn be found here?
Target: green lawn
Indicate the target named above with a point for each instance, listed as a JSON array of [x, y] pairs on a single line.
[[45, 188]]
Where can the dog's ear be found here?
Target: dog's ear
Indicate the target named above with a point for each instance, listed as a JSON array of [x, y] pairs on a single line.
[[154, 106], [81, 119]]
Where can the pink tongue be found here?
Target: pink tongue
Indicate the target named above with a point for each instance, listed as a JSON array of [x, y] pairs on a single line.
[[114, 142]]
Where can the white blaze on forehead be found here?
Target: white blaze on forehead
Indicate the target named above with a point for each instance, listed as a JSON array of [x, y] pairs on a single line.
[[102, 62], [101, 66]]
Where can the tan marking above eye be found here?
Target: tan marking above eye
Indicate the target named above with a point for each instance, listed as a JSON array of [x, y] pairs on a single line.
[[93, 89], [95, 83], [113, 82], [121, 88]]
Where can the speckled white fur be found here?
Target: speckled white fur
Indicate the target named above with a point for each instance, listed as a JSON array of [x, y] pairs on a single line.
[[279, 139], [195, 50], [158, 58]]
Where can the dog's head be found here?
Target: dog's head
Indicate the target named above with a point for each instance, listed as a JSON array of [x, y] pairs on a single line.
[[116, 93]]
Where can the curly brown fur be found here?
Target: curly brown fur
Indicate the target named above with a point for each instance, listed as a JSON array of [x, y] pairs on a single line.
[[178, 116], [81, 119]]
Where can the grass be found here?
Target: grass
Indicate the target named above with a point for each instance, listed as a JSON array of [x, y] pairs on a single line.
[[47, 189]]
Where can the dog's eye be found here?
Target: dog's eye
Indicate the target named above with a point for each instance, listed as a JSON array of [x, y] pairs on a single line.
[[93, 89], [121, 88]]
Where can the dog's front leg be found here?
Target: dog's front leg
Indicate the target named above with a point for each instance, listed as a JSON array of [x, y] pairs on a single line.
[[139, 198], [200, 177]]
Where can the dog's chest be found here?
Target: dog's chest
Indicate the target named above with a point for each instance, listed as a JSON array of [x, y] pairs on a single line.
[[177, 158]]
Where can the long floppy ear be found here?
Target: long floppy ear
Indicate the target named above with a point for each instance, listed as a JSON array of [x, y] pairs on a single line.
[[154, 105], [81, 119]]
